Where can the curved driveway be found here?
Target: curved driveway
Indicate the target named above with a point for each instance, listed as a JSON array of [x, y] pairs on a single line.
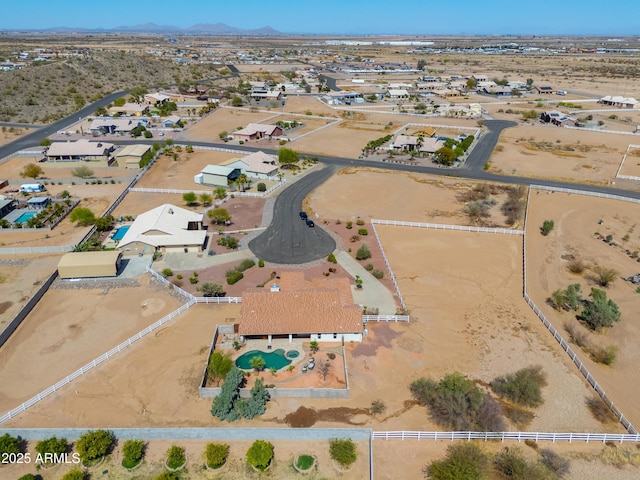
[[288, 240], [482, 150]]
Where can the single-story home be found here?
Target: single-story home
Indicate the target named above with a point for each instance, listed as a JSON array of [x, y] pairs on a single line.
[[397, 93], [621, 102], [130, 156], [411, 143], [166, 228], [80, 150], [257, 164], [256, 131], [320, 309], [447, 93], [90, 264], [171, 121], [557, 118], [116, 125], [544, 89], [217, 175], [134, 109], [38, 203], [156, 98], [498, 91]]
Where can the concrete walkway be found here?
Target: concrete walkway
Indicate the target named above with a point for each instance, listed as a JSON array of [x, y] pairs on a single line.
[[197, 261], [373, 293]]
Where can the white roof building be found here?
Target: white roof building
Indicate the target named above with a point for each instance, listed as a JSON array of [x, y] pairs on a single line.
[[619, 101], [257, 164], [397, 93], [168, 228], [79, 150]]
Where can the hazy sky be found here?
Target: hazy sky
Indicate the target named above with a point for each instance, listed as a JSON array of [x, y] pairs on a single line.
[[422, 17]]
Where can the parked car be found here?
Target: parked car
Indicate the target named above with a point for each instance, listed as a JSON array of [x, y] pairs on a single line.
[[561, 92], [310, 223], [303, 215]]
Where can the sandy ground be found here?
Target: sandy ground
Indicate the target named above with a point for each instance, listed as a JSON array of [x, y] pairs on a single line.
[[594, 157], [20, 277], [54, 171], [223, 119], [631, 165], [51, 336], [576, 220], [9, 134]]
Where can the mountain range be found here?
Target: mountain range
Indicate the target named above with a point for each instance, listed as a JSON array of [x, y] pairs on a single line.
[[197, 29]]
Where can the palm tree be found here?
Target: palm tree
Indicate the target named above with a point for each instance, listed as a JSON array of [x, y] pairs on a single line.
[[242, 180]]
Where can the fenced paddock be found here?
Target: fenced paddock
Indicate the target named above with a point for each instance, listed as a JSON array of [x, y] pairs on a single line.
[[505, 436]]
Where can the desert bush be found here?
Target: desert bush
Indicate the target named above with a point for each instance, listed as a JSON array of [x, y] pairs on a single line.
[[363, 231], [360, 222], [245, 265], [53, 445], [377, 407], [377, 273], [349, 225], [576, 335], [600, 410], [9, 444], [511, 463], [457, 403], [576, 266], [234, 277], [604, 275], [354, 238], [261, 187], [216, 454], [513, 207], [547, 227], [463, 461], [167, 272], [519, 416], [260, 454], [260, 263], [75, 474], [557, 464], [368, 267], [363, 252], [176, 457], [132, 453], [600, 312], [343, 451], [605, 355], [168, 476], [522, 387], [332, 258], [479, 208]]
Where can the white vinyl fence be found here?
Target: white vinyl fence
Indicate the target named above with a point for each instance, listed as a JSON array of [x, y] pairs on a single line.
[[385, 318], [624, 157], [442, 226], [502, 436], [388, 265], [218, 299]]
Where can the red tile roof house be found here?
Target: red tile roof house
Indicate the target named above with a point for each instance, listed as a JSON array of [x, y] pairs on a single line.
[[320, 309], [256, 131]]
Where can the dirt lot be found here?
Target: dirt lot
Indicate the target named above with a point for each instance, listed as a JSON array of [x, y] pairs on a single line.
[[223, 119], [51, 336], [57, 171], [576, 220], [9, 134], [551, 152], [631, 165]]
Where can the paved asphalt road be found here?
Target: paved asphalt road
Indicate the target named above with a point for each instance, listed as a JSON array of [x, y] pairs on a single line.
[[482, 150], [288, 240], [34, 138]]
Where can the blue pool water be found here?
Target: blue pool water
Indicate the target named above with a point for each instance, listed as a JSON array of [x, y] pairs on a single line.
[[275, 359], [120, 232], [25, 216]]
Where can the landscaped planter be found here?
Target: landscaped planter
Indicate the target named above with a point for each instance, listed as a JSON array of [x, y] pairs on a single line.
[[132, 468], [186, 459], [256, 469], [211, 469], [340, 468], [295, 464]]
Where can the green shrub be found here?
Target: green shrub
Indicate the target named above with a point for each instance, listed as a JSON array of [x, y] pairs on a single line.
[[557, 464], [132, 453], [94, 444], [377, 407], [360, 222], [522, 387], [9, 444], [234, 277], [463, 461], [261, 187], [245, 265], [193, 280], [363, 252], [363, 231], [175, 457], [378, 274], [216, 454], [368, 267], [167, 272], [30, 476], [260, 454], [349, 225], [75, 474], [343, 451], [52, 445], [332, 258], [168, 476], [305, 462], [260, 263], [547, 227]]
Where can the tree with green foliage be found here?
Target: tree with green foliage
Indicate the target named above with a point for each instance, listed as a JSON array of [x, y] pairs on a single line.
[[463, 461], [82, 216], [205, 199], [219, 215], [604, 275], [104, 223], [456, 402], [223, 135], [45, 142], [236, 101], [257, 363], [166, 475], [260, 454], [31, 170], [570, 298], [220, 193], [547, 227], [255, 405], [9, 444], [94, 444], [600, 312], [53, 445], [288, 157], [343, 451], [132, 453], [522, 387], [220, 364], [190, 198], [261, 187], [224, 405], [119, 102], [75, 474], [445, 156], [332, 258], [30, 476], [216, 454]]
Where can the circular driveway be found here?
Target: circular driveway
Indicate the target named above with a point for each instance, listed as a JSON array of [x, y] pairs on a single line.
[[288, 240]]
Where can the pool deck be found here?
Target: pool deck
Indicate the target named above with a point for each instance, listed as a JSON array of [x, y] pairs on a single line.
[[18, 212], [276, 344]]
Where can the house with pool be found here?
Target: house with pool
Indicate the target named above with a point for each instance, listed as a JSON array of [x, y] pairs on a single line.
[[295, 308]]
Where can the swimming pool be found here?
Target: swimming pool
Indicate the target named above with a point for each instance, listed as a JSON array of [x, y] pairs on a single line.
[[275, 359], [25, 217], [120, 232]]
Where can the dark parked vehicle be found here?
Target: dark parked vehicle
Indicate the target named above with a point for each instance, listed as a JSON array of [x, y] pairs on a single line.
[[310, 223], [303, 215]]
